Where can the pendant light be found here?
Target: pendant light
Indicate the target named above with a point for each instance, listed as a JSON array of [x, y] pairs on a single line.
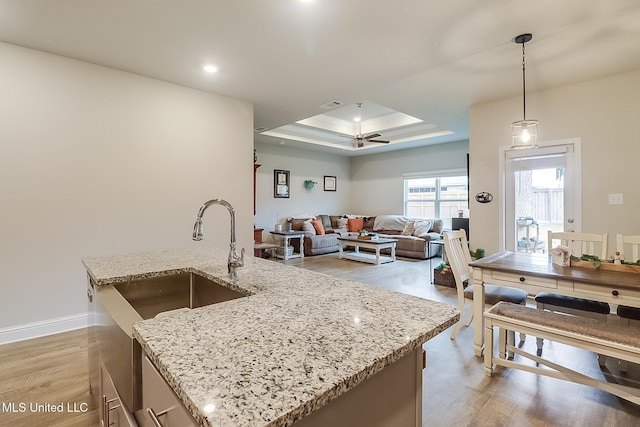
[[524, 133]]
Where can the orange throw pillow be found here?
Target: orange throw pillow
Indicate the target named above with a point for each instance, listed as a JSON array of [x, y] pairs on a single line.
[[355, 224], [317, 224]]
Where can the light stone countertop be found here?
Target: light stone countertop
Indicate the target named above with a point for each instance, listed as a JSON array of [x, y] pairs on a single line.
[[297, 341]]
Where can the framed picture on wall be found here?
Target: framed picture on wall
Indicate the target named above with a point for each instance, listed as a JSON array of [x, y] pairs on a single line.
[[329, 183], [280, 184]]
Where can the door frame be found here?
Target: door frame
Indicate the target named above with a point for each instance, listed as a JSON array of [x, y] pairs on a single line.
[[573, 197]]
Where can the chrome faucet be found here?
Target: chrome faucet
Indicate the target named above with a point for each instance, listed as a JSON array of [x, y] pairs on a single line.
[[234, 261]]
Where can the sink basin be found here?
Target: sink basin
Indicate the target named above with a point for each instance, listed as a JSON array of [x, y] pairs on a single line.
[[151, 296], [118, 306]]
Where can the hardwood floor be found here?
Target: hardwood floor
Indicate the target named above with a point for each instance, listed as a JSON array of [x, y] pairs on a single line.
[[49, 371], [53, 370], [456, 390]]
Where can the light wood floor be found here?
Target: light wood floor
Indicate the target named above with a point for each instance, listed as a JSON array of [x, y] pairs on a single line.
[[51, 370], [456, 392]]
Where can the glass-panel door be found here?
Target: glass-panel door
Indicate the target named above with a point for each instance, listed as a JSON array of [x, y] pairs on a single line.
[[541, 196]]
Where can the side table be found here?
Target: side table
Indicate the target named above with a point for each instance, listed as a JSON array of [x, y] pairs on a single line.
[[434, 244], [286, 235]]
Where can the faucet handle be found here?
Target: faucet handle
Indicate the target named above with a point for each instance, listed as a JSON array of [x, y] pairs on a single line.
[[241, 257]]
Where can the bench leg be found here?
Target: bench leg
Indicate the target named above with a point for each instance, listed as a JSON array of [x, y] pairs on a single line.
[[502, 343], [511, 340], [488, 351]]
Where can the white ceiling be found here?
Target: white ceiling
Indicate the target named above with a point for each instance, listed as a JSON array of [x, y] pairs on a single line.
[[429, 59]]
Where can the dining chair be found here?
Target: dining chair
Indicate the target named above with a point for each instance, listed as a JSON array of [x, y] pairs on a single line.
[[628, 242], [457, 251], [579, 244], [629, 248], [633, 254]]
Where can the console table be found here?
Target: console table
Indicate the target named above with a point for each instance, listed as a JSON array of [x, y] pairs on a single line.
[[286, 235]]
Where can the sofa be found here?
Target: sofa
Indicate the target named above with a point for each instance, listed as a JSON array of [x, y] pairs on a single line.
[[413, 242]]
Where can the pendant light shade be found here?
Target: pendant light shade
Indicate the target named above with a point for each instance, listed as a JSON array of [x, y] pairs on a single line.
[[524, 133]]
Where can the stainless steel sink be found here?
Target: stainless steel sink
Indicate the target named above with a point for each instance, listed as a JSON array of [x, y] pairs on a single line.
[[118, 306], [151, 296]]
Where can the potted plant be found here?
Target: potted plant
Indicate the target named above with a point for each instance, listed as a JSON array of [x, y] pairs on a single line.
[[309, 183]]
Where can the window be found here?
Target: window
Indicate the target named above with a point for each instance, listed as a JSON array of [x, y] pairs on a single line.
[[439, 195]]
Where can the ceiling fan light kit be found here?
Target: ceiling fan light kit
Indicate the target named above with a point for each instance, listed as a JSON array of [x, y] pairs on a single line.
[[359, 140], [524, 133]]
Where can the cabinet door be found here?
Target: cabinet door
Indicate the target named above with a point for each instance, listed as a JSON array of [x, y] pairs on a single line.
[[158, 397], [112, 413]]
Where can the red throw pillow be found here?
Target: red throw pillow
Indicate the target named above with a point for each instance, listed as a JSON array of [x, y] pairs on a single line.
[[317, 224], [355, 225]]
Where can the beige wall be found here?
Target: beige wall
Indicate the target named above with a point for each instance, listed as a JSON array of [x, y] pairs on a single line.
[[604, 114], [302, 164], [377, 182], [95, 161]]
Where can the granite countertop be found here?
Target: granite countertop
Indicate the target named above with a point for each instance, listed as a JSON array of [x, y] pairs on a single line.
[[298, 340]]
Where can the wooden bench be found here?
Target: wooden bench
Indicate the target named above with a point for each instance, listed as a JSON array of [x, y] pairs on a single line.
[[612, 340]]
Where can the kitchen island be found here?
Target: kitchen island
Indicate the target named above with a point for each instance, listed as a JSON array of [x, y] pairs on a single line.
[[293, 346]]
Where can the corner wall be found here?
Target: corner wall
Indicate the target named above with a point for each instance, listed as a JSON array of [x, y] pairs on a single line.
[[302, 164], [95, 161], [603, 113]]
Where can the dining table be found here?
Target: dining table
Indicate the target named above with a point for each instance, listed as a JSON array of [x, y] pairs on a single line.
[[534, 272]]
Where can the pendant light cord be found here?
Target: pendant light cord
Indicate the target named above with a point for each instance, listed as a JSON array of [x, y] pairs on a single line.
[[524, 91]]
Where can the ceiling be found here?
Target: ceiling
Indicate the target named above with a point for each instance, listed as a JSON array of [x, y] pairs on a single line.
[[428, 59]]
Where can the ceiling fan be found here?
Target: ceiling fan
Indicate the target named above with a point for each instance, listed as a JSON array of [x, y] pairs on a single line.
[[360, 139]]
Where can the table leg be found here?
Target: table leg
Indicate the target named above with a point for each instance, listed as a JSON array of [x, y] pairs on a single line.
[[302, 246], [393, 252], [478, 321], [377, 255], [286, 245]]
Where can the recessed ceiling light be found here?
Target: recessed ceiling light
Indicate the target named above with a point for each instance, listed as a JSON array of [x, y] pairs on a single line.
[[210, 68]]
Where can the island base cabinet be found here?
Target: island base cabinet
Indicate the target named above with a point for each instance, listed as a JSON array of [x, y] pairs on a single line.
[[112, 412], [391, 398], [159, 402]]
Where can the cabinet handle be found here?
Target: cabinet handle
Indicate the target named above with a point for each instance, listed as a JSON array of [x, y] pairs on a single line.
[[106, 408], [615, 293], [154, 416], [89, 295], [522, 279]]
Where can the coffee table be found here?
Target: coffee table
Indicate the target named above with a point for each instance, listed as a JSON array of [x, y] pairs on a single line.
[[376, 245]]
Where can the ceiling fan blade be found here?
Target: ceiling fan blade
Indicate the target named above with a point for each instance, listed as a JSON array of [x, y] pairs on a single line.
[[378, 140], [373, 135]]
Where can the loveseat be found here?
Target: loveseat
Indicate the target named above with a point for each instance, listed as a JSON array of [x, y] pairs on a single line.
[[413, 242]]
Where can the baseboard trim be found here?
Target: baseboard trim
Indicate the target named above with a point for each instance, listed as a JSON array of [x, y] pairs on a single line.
[[46, 327]]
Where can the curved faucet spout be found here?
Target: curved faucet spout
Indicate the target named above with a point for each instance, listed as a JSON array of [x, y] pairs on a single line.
[[235, 261]]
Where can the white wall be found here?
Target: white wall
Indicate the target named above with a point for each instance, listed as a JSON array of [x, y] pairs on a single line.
[[302, 164], [95, 161], [377, 181], [604, 114]]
